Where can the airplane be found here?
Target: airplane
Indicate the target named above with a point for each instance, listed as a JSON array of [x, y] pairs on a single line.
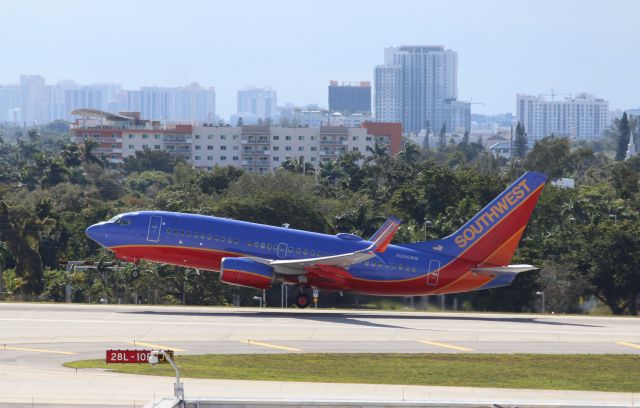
[[476, 256]]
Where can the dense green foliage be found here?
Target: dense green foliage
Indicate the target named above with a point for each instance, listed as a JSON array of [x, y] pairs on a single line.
[[587, 372], [585, 239]]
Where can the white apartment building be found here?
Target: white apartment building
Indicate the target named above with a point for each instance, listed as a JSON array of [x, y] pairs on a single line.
[[260, 149], [255, 148], [414, 84], [582, 117]]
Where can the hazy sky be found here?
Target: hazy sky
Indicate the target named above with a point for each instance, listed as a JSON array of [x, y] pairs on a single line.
[[296, 47]]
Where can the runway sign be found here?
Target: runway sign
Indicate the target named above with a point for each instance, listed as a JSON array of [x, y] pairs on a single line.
[[133, 356]]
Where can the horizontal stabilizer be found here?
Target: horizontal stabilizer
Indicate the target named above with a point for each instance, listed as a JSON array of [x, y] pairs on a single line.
[[499, 270]]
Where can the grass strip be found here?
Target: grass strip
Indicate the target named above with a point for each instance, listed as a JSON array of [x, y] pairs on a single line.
[[585, 372]]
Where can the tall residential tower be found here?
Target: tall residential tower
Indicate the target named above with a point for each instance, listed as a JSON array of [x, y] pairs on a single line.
[[414, 85]]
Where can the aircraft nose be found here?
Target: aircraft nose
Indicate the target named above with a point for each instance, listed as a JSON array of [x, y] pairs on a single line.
[[93, 232]]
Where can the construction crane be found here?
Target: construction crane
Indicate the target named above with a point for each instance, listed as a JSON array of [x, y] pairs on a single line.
[[553, 94]]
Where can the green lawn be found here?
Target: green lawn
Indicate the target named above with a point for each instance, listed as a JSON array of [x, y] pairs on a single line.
[[596, 372]]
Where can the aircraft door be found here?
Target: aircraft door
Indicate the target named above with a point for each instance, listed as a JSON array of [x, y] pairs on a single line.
[[434, 271], [155, 225], [283, 248]]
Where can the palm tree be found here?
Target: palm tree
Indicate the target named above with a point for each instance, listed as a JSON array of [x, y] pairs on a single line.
[[360, 222], [22, 232], [410, 153], [88, 155], [71, 155], [378, 154], [4, 254]]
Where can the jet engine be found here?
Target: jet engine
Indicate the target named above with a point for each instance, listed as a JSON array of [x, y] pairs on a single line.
[[245, 272]]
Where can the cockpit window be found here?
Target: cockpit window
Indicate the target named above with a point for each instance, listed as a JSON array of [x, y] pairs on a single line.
[[122, 221], [114, 218]]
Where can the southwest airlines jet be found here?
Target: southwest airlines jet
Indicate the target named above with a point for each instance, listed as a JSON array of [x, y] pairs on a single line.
[[477, 256]]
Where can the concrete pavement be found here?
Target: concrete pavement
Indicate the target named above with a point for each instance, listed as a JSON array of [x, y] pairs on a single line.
[[35, 339]]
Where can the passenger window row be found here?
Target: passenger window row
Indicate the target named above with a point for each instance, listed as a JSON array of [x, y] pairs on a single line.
[[201, 235], [297, 251], [392, 266]]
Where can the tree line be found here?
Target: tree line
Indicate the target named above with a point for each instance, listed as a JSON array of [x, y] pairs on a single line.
[[586, 239]]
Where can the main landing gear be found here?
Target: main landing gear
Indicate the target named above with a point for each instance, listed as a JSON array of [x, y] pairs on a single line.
[[302, 300]]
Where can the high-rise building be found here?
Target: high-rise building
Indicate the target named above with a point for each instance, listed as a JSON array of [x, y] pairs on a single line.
[[350, 97], [33, 97], [414, 85], [10, 103], [33, 101], [261, 102], [458, 116], [580, 117], [192, 103]]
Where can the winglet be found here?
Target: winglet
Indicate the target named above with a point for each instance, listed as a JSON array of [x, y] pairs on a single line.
[[383, 236]]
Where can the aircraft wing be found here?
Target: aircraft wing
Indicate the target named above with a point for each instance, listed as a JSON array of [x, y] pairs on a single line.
[[379, 243]]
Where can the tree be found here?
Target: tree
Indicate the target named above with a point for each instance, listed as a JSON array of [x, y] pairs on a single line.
[[359, 221], [550, 156], [71, 154], [150, 160], [21, 230], [465, 138], [219, 179], [520, 144], [88, 156], [410, 154], [427, 131], [623, 135], [442, 137], [608, 259]]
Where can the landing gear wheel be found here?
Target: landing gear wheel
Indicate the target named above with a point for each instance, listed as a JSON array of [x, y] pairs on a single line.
[[302, 300]]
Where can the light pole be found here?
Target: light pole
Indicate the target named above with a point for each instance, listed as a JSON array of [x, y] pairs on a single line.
[[542, 295], [178, 387]]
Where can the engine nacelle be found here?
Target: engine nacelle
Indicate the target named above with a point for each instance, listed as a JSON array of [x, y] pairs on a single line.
[[244, 272]]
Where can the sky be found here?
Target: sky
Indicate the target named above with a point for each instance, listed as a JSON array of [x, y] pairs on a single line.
[[297, 47]]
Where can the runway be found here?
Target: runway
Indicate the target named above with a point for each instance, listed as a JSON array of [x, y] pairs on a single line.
[[35, 339]]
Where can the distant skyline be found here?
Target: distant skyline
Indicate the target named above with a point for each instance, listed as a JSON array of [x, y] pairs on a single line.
[[504, 48]]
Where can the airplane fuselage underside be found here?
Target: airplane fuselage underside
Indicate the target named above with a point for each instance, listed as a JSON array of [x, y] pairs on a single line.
[[455, 277]]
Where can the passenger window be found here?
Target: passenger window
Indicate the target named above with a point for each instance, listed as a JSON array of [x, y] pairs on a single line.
[[222, 238], [209, 237], [229, 240], [298, 251], [312, 253], [262, 245], [413, 269], [256, 244], [202, 235], [168, 230], [268, 246], [182, 233], [215, 237], [306, 251], [188, 233], [236, 241], [175, 231]]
